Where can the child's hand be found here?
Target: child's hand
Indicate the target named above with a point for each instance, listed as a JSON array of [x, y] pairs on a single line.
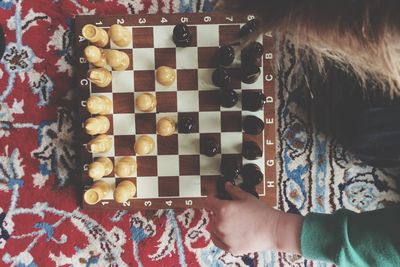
[[245, 224]]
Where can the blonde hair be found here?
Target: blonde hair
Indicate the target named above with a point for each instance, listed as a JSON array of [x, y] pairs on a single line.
[[360, 36]]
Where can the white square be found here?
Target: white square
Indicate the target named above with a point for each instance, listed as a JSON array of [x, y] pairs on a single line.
[[124, 124], [163, 36], [260, 163], [116, 159], [237, 106], [231, 143], [168, 165], [188, 101], [189, 186], [163, 88], [110, 194], [208, 35], [205, 79], [138, 110], [143, 59], [152, 136], [189, 144], [114, 46], [257, 85], [122, 81], [147, 187], [186, 58], [110, 153], [210, 122], [108, 95], [210, 165]]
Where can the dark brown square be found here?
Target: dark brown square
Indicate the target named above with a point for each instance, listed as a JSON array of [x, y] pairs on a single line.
[[207, 58], [235, 80], [168, 186], [144, 80], [187, 80], [167, 145], [216, 137], [189, 164], [231, 121], [96, 89], [231, 157], [124, 145], [209, 185], [165, 57], [193, 31], [145, 123], [166, 102], [123, 102], [130, 55], [142, 37], [110, 119], [194, 116], [229, 34], [209, 100], [147, 166]]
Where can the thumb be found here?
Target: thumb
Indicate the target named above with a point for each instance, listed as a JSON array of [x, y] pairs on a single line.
[[235, 192]]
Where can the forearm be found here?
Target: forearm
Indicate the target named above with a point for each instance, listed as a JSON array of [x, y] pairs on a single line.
[[288, 232]]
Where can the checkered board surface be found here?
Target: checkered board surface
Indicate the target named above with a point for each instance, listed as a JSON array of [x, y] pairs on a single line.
[[176, 174]]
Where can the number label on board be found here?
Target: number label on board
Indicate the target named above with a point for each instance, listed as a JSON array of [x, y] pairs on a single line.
[[250, 17], [84, 82], [99, 23], [164, 20], [147, 203], [83, 104], [169, 203], [229, 18], [120, 21], [189, 202], [126, 204], [207, 19], [184, 19], [142, 20], [86, 167]]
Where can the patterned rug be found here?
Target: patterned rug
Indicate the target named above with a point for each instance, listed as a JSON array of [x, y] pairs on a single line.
[[41, 223]]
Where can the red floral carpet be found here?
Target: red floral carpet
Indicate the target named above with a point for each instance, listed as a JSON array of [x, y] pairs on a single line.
[[40, 220]]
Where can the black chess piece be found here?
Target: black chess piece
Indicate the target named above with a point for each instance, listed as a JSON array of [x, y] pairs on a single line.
[[182, 36], [252, 53], [228, 98], [249, 73], [2, 42], [220, 185], [209, 148], [230, 168], [225, 55], [253, 125], [251, 174], [221, 77], [253, 101], [251, 150], [250, 27], [185, 125], [249, 189]]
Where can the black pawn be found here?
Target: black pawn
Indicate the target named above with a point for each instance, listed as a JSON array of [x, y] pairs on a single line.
[[250, 27], [251, 150], [253, 101], [220, 184], [253, 125], [250, 73], [251, 174], [228, 98], [185, 125], [209, 148], [230, 168], [2, 42], [251, 53], [221, 77], [182, 36], [225, 55]]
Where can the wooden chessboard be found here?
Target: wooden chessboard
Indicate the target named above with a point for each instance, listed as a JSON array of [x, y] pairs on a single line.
[[177, 175]]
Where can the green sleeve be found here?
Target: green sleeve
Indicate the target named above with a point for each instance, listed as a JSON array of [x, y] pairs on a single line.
[[351, 239]]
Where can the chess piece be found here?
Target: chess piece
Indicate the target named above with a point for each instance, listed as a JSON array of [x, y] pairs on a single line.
[[125, 167], [124, 191], [101, 144], [99, 168], [251, 150], [101, 77], [252, 53], [165, 75], [97, 192], [220, 185], [230, 168], [166, 126], [228, 98], [209, 148], [120, 35], [182, 36], [253, 101], [221, 77], [185, 125], [250, 27], [249, 189], [146, 102], [99, 105], [95, 35], [251, 174], [2, 42], [253, 125], [250, 73], [225, 55], [118, 60], [144, 145], [95, 56], [97, 125]]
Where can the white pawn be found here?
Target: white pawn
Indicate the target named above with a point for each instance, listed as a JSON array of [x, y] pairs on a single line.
[[120, 35], [144, 145], [95, 56], [118, 60], [100, 77], [97, 125], [125, 167], [146, 102], [99, 168], [124, 191], [101, 144], [99, 105], [166, 126]]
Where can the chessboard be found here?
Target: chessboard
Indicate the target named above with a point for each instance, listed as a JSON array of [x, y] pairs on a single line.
[[175, 173]]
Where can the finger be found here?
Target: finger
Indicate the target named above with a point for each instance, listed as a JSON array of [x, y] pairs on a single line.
[[235, 192], [213, 204], [218, 242]]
